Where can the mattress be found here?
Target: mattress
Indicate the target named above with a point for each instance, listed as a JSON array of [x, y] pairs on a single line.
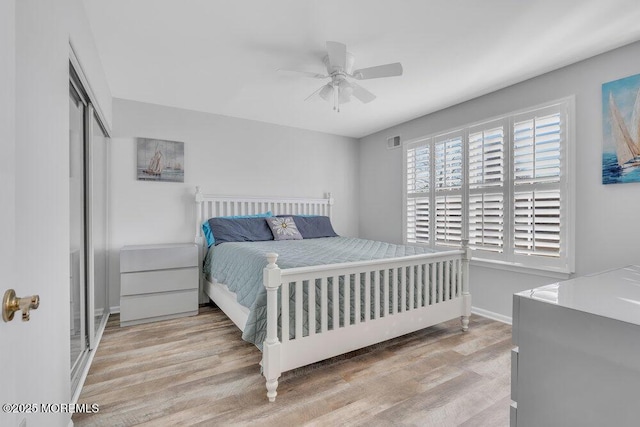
[[240, 265]]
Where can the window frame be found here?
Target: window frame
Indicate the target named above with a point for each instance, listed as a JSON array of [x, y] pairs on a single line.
[[508, 259]]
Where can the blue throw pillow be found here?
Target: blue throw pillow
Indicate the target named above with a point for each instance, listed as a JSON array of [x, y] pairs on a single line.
[[240, 230], [313, 227], [208, 234]]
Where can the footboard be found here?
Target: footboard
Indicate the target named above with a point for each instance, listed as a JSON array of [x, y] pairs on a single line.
[[329, 310]]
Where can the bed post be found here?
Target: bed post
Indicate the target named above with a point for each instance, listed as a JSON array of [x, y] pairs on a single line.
[[199, 219], [199, 239], [271, 346], [466, 296], [329, 204]]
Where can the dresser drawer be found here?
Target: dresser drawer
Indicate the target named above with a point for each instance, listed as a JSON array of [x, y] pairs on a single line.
[[158, 257], [147, 308], [146, 282]]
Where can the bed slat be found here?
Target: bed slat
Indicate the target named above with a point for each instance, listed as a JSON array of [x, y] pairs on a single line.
[[447, 283], [376, 294], [299, 309], [412, 292], [416, 286], [367, 296], [356, 298], [335, 321], [311, 290], [347, 300], [285, 309], [394, 290], [324, 309]]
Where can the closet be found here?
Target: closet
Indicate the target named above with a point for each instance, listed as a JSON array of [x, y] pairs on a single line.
[[88, 239]]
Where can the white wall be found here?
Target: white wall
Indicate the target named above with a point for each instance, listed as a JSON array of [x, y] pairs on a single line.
[[81, 38], [8, 333], [606, 222], [225, 156], [43, 29]]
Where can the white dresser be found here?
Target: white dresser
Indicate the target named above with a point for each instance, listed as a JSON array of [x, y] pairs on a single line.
[[577, 355], [158, 282]]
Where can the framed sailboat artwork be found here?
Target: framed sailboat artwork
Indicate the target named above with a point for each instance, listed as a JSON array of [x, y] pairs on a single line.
[[621, 130], [160, 160]]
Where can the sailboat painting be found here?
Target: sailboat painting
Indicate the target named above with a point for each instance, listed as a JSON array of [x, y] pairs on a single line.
[[621, 130], [160, 160]]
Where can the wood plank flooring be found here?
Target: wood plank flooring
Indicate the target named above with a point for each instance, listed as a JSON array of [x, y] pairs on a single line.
[[198, 371]]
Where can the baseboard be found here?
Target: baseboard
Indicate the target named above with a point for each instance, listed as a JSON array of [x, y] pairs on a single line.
[[491, 315], [114, 310]]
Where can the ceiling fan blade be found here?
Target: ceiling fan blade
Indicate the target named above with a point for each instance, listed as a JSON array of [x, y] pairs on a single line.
[[387, 70], [337, 54], [302, 73], [314, 92], [361, 93]]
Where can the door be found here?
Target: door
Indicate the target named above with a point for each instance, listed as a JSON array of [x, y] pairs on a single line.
[[9, 335], [88, 225], [79, 297], [99, 241]]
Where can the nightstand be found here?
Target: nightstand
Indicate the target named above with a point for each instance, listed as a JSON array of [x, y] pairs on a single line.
[[158, 282]]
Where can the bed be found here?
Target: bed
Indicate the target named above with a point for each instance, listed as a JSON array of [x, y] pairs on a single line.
[[380, 292]]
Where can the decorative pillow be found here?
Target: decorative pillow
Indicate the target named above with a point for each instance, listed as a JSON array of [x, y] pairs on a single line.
[[208, 235], [283, 228], [313, 227], [206, 229], [239, 230]]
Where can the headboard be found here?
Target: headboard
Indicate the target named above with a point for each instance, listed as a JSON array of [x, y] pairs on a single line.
[[209, 205]]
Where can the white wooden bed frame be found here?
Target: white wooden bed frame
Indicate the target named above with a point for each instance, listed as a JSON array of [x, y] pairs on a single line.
[[447, 283]]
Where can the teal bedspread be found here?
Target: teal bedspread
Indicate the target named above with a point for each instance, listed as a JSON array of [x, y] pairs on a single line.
[[240, 266]]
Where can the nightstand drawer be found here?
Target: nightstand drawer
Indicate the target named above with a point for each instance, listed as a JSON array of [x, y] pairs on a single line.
[[146, 282], [158, 282], [158, 257], [148, 308]]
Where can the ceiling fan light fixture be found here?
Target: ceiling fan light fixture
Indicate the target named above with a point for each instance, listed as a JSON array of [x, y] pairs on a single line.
[[345, 92], [344, 98], [326, 92]]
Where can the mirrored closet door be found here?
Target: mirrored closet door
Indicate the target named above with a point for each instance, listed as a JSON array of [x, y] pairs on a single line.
[[77, 249], [88, 198]]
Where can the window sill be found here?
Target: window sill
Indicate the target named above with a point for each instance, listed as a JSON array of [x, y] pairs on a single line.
[[519, 268]]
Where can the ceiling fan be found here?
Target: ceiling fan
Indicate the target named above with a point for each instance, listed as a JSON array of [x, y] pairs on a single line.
[[339, 64]]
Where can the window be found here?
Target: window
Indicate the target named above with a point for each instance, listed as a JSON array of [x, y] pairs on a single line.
[[503, 184]]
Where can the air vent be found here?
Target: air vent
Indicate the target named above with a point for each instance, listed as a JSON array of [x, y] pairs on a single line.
[[393, 142]]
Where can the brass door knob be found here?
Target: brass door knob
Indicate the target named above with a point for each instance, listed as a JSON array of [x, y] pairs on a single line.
[[11, 304]]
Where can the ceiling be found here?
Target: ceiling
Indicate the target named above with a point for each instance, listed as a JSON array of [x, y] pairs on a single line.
[[221, 56]]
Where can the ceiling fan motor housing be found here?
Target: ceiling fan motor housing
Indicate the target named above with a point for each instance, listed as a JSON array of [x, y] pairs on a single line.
[[348, 69]]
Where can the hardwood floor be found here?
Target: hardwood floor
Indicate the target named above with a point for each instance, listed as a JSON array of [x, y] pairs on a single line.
[[198, 371]]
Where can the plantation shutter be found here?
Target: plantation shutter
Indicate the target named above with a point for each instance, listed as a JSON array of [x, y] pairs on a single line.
[[502, 184], [418, 182], [538, 138], [537, 223], [448, 178], [418, 220], [449, 220], [486, 186]]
